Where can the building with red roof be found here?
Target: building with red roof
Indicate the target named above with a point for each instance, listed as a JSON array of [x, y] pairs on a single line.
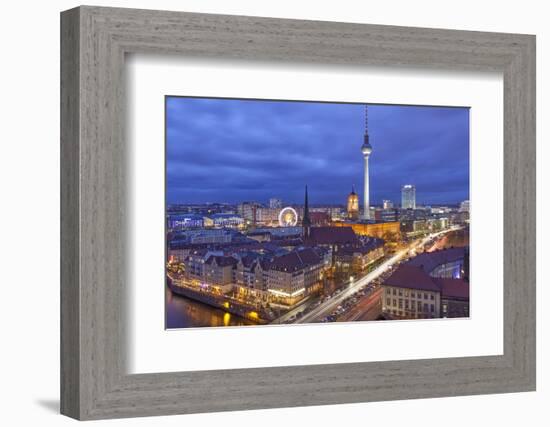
[[293, 276], [455, 297], [331, 236], [414, 291], [443, 263], [410, 293]]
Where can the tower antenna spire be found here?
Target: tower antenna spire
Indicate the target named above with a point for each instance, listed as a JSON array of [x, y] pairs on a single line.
[[366, 119]]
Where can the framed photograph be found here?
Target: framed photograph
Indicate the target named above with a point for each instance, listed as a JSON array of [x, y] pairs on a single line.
[[278, 213]]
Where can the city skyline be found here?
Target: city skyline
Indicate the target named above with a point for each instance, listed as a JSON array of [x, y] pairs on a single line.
[[248, 245], [271, 149]]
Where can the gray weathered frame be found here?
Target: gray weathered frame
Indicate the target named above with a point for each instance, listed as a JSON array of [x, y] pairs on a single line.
[[94, 41]]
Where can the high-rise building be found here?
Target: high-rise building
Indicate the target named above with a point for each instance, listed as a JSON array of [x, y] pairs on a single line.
[[267, 216], [408, 197], [248, 210], [464, 206], [366, 149], [387, 204], [275, 203], [389, 215], [353, 205]]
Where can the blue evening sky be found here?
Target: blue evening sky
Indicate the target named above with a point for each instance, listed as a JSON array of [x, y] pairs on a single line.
[[223, 150]]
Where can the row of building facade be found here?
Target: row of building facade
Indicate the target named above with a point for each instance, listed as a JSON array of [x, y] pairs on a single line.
[[431, 285], [280, 270]]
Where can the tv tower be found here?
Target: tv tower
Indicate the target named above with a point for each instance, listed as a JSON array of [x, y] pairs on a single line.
[[366, 149]]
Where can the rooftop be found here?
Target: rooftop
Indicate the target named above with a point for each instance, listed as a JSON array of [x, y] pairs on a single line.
[[454, 288], [364, 248], [412, 277], [224, 215], [222, 261], [428, 261], [296, 260], [319, 216], [176, 216], [332, 235]]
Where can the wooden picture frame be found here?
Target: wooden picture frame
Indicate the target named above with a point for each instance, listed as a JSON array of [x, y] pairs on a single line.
[[94, 382]]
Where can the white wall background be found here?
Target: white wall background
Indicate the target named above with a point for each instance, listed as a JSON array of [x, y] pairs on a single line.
[[29, 193]]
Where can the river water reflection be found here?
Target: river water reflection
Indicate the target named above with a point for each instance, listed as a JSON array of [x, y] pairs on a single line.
[[182, 312]]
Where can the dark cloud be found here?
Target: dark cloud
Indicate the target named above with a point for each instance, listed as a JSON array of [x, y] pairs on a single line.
[[233, 150]]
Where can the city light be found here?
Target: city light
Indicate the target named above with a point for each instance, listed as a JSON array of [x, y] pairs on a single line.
[[247, 244], [287, 294]]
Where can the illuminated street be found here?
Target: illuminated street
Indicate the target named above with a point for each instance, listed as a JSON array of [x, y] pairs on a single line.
[[328, 306], [367, 308]]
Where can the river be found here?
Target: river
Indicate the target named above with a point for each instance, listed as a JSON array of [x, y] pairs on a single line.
[[183, 312]]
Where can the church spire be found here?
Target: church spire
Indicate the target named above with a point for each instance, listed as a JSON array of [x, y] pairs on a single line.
[[306, 221]]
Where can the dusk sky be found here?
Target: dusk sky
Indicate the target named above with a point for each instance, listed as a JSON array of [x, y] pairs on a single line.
[[245, 150]]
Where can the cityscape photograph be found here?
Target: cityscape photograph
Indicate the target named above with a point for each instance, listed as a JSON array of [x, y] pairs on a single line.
[[291, 212]]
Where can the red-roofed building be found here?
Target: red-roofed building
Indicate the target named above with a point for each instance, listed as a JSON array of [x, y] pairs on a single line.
[[348, 254], [218, 270], [413, 292], [410, 293], [293, 276], [455, 297], [443, 263], [319, 218], [356, 259], [251, 276], [331, 236]]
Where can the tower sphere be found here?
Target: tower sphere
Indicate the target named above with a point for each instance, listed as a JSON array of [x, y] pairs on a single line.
[[366, 149]]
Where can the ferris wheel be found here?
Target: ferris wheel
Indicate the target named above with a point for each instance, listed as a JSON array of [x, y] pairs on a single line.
[[288, 217]]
